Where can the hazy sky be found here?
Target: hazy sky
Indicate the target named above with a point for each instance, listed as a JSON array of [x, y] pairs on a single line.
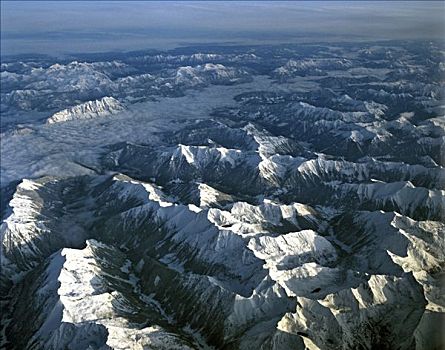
[[88, 26]]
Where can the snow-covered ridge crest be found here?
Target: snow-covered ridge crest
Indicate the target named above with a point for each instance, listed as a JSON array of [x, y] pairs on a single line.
[[208, 72], [99, 108], [202, 155]]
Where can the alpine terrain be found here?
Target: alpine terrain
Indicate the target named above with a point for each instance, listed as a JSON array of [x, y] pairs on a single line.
[[266, 197]]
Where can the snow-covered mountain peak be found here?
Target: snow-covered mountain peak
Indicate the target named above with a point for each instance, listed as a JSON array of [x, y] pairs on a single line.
[[104, 107]]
